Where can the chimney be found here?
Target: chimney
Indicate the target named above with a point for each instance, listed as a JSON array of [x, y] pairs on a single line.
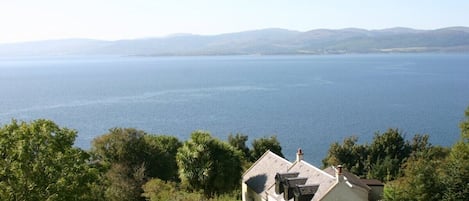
[[299, 155], [339, 168], [339, 173]]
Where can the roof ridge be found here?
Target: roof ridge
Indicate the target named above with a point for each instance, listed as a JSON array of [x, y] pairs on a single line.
[[292, 165], [319, 170], [260, 159], [352, 178]]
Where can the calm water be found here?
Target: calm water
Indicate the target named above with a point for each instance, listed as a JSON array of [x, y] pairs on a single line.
[[307, 101]]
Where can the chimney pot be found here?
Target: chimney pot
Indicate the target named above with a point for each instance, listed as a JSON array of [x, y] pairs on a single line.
[[339, 167], [339, 174], [299, 155]]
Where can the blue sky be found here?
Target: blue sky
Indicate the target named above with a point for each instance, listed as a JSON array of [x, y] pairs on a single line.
[[26, 20]]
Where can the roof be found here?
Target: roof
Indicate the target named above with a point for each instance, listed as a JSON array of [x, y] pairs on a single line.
[[315, 176], [352, 178], [372, 182], [261, 174], [260, 177]]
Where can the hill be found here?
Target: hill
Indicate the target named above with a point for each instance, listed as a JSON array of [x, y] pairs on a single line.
[[263, 42]]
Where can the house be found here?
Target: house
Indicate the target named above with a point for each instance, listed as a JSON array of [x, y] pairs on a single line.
[[272, 177]]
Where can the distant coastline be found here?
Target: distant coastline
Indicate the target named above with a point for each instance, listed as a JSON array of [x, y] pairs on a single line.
[[273, 41]]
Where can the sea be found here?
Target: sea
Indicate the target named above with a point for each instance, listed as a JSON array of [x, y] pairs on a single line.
[[307, 101]]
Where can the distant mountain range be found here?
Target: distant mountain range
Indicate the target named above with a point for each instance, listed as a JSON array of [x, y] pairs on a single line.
[[259, 42]]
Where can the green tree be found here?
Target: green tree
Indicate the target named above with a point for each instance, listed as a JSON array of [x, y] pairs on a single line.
[[121, 145], [238, 141], [134, 148], [208, 164], [38, 162], [433, 172], [386, 154], [421, 180], [132, 157], [124, 183], [122, 153], [158, 190], [420, 143], [382, 159], [160, 155], [456, 174], [396, 191], [464, 126], [261, 145], [348, 154]]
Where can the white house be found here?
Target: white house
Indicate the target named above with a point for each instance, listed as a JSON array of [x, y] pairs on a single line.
[[272, 177]]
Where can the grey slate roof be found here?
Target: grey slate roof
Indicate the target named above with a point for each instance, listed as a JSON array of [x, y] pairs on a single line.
[[372, 182], [352, 178], [260, 177], [315, 176], [261, 174]]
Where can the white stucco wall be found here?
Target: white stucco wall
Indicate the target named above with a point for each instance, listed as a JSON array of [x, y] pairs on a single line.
[[249, 195]]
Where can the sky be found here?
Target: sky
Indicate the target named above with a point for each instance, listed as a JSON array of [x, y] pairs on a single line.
[[30, 20]]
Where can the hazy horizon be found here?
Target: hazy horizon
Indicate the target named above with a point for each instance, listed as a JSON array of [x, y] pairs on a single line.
[[195, 34], [24, 21]]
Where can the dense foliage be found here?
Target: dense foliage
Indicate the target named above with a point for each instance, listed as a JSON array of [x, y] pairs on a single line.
[[130, 157], [261, 145], [38, 162], [203, 166], [433, 174], [414, 170], [381, 159], [159, 190], [238, 141], [208, 164]]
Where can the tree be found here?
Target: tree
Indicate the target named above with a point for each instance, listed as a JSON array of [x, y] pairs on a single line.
[[121, 145], [464, 126], [383, 158], [261, 145], [38, 162], [160, 155], [208, 164], [122, 153], [434, 173], [387, 153], [456, 174], [238, 141], [419, 144], [396, 191], [421, 180], [132, 157], [157, 190], [348, 154], [124, 182], [134, 148]]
